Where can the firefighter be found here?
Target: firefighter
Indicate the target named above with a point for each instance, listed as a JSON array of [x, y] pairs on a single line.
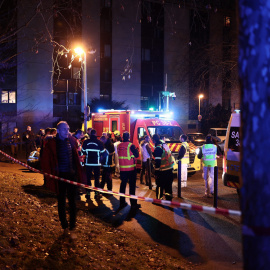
[[163, 169], [93, 149], [107, 163], [184, 156], [208, 153], [127, 152]]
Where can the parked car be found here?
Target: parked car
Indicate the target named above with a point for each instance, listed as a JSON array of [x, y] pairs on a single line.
[[197, 139], [219, 135]]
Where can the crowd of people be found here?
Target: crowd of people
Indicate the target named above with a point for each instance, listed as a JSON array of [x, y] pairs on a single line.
[[82, 156]]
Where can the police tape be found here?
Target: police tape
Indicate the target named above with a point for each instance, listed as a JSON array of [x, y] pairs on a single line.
[[205, 209]]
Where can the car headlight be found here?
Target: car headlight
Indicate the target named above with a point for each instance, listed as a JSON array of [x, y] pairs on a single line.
[[197, 151]]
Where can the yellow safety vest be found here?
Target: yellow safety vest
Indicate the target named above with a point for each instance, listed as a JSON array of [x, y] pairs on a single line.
[[209, 152], [185, 159]]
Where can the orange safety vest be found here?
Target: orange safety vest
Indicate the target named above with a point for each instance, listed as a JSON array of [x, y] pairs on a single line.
[[126, 157], [166, 159]]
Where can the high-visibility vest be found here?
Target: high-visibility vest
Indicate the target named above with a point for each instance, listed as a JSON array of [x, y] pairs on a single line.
[[126, 157], [185, 159], [166, 159], [209, 152]]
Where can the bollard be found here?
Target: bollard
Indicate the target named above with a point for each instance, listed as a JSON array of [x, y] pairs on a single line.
[[179, 178], [149, 173], [215, 186]]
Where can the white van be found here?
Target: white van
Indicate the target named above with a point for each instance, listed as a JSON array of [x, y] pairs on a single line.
[[231, 157], [219, 134]]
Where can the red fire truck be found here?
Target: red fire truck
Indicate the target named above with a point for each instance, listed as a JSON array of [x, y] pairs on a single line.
[[141, 123]]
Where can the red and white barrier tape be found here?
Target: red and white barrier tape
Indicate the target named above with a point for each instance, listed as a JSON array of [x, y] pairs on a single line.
[[205, 209]]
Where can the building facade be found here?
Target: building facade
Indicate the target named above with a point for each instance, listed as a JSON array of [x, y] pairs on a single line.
[[142, 48]]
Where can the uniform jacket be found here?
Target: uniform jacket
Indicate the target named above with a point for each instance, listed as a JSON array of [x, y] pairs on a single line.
[[159, 155], [93, 149]]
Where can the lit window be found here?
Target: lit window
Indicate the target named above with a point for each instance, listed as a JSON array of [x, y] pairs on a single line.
[[8, 96], [227, 21]]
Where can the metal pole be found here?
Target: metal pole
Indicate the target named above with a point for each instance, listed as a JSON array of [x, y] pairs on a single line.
[[215, 185], [199, 106], [85, 93], [149, 173], [179, 178]]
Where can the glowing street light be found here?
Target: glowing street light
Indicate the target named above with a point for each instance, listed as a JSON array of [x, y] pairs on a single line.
[[80, 51], [199, 116]]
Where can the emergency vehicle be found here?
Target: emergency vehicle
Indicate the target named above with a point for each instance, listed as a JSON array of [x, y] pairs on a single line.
[[141, 123], [231, 157]]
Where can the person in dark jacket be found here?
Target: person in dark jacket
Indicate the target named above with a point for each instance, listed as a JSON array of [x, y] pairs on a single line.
[[93, 149], [15, 142], [127, 152], [29, 140], [107, 163], [60, 157], [163, 168], [39, 138]]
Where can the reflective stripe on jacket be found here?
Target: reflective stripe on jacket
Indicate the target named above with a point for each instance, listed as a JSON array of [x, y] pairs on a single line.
[[209, 152], [166, 159], [185, 159], [126, 157], [108, 160], [93, 153]]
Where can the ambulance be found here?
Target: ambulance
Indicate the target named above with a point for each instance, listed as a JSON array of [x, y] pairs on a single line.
[[231, 157], [141, 123]]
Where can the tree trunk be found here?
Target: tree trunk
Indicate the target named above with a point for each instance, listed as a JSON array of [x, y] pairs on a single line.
[[254, 69]]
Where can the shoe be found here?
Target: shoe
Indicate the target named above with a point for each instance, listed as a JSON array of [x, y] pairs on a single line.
[[98, 196], [121, 207], [207, 196], [65, 233], [135, 207]]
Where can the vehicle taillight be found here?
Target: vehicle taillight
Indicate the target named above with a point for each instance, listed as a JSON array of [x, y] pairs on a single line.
[[224, 164]]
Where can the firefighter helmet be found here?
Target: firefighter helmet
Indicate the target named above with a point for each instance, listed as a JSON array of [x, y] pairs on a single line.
[[116, 133]]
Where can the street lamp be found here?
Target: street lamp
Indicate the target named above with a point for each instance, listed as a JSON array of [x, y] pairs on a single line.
[[199, 116], [80, 51]]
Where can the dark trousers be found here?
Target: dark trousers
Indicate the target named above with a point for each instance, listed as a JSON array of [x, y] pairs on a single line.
[[68, 190], [106, 178], [164, 180], [14, 150], [89, 172], [144, 171], [125, 177]]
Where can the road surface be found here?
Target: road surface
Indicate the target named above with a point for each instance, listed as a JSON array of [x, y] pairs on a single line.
[[207, 241]]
